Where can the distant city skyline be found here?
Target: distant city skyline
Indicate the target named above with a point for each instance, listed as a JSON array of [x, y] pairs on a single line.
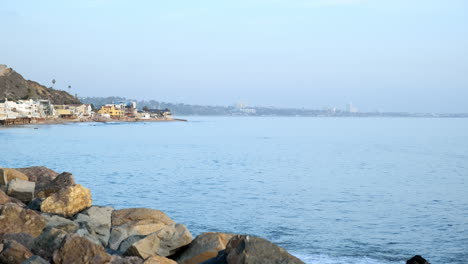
[[395, 56]]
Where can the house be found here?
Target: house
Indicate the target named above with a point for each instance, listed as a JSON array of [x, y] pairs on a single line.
[[112, 110]]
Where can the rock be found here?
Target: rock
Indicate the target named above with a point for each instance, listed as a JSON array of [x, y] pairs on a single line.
[[128, 242], [21, 190], [125, 260], [61, 223], [62, 181], [68, 202], [24, 239], [38, 174], [35, 260], [417, 260], [76, 249], [35, 204], [97, 223], [204, 247], [7, 175], [15, 219], [136, 221], [162, 243], [159, 260], [253, 250], [14, 253], [4, 199], [49, 241]]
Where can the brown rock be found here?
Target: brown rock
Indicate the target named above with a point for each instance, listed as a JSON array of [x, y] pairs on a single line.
[[4, 199], [49, 241], [21, 190], [14, 253], [35, 260], [38, 173], [68, 202], [125, 260], [76, 249], [204, 247], [24, 239], [7, 175], [62, 181], [159, 260], [15, 219]]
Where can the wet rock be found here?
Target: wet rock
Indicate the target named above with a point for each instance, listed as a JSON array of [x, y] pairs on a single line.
[[204, 247], [163, 243], [4, 199], [96, 221], [136, 221], [125, 260], [35, 260], [21, 190], [417, 260], [159, 260], [13, 252], [61, 223], [49, 241], [79, 250], [38, 174], [61, 182], [67, 202], [7, 175], [253, 250], [15, 219]]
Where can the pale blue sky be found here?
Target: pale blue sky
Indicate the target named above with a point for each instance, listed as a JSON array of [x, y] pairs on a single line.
[[393, 55]]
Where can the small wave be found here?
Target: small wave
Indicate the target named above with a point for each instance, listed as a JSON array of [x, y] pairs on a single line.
[[326, 259]]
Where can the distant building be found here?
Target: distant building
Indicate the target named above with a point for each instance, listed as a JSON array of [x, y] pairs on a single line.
[[351, 109], [112, 110]]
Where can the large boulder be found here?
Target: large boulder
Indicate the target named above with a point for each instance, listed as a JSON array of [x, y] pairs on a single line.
[[253, 250], [136, 221], [417, 260], [21, 190], [13, 252], [24, 239], [49, 241], [163, 243], [204, 247], [60, 182], [15, 219], [159, 260], [95, 223], [79, 250], [35, 260], [4, 199], [38, 174], [61, 223], [7, 175], [67, 202]]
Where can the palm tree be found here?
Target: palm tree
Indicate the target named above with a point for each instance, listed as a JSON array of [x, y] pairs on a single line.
[[53, 83], [69, 88]]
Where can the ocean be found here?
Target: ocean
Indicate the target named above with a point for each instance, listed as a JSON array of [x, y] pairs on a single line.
[[329, 190]]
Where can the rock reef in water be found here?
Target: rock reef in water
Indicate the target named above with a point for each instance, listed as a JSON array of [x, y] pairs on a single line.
[[55, 222]]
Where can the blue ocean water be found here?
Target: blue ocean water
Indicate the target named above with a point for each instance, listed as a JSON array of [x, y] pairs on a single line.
[[329, 190]]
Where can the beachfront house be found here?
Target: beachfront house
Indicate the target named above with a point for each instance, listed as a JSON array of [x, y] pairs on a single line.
[[112, 110]]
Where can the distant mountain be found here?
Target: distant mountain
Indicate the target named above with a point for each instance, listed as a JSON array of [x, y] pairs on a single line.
[[14, 87]]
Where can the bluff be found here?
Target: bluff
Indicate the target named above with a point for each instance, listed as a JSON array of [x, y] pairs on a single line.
[[15, 87]]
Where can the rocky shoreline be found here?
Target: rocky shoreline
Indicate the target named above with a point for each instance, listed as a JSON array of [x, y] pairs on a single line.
[[45, 217]]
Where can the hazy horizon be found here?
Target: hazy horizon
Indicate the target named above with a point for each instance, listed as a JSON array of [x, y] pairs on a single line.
[[395, 56]]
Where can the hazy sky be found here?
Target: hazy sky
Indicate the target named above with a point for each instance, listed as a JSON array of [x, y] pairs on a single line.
[[394, 55]]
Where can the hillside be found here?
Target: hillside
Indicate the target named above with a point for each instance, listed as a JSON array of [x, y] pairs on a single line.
[[14, 87]]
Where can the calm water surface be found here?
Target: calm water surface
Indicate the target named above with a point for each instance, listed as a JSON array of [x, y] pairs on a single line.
[[349, 190]]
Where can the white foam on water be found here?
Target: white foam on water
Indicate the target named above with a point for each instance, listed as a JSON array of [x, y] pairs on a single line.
[[325, 259]]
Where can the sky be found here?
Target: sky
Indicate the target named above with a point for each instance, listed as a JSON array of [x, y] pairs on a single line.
[[387, 55]]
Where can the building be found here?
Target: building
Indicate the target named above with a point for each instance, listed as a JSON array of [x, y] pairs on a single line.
[[350, 108], [160, 113], [112, 110]]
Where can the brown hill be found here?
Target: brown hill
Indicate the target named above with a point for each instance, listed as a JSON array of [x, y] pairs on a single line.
[[14, 87]]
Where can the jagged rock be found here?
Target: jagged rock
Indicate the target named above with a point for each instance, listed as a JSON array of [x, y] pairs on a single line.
[[417, 260], [204, 247], [4, 199], [21, 190], [159, 260], [61, 223], [128, 242], [77, 249], [68, 202], [125, 260], [49, 241], [24, 239], [136, 221], [13, 252], [38, 174], [253, 250], [62, 181], [96, 221], [162, 243], [35, 204], [7, 175], [15, 219], [35, 260]]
